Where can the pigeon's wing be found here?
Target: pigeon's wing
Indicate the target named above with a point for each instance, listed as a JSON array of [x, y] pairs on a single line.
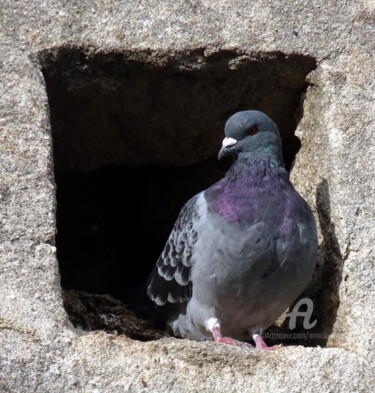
[[300, 245], [170, 279]]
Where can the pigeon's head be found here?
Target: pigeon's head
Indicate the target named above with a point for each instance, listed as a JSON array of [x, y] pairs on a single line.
[[249, 131]]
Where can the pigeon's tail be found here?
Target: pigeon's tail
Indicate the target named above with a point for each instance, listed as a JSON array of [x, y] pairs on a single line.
[[157, 291]]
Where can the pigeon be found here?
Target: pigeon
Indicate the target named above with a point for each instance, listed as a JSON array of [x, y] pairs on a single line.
[[241, 251]]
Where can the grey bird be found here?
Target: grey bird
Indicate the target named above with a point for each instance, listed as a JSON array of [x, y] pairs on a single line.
[[241, 251]]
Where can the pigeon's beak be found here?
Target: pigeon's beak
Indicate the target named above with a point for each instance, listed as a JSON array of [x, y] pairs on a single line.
[[225, 149]]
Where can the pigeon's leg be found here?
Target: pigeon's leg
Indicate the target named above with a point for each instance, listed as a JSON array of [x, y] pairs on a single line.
[[260, 344], [213, 326]]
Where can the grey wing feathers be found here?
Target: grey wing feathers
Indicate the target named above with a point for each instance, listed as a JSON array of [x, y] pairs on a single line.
[[170, 279]]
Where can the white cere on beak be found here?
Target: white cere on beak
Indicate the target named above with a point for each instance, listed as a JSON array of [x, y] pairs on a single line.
[[227, 142]]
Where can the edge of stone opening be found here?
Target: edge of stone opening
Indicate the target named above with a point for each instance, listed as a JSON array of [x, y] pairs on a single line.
[[163, 57]]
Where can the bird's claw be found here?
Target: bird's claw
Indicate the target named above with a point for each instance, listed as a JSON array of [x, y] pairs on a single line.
[[232, 341], [260, 344]]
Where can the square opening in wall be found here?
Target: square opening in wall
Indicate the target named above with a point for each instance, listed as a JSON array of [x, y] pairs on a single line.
[[135, 135]]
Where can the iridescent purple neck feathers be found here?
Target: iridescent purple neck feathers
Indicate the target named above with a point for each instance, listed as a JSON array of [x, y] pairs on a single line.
[[254, 186]]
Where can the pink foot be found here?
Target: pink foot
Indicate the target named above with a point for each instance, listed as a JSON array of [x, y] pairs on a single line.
[[228, 340], [260, 344]]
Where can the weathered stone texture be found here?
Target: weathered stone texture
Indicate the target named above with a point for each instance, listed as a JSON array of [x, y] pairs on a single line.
[[40, 351]]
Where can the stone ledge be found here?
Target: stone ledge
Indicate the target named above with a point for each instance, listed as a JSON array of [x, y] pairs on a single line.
[[114, 363]]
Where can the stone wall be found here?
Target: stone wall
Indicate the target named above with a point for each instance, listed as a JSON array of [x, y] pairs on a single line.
[[52, 53]]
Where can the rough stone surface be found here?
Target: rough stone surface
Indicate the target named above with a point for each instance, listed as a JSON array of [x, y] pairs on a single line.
[[40, 351]]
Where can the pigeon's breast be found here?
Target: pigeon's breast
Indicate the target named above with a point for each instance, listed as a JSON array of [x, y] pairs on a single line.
[[255, 252], [262, 195], [265, 222]]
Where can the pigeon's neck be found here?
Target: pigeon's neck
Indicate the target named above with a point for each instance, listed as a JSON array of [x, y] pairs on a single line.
[[248, 163], [253, 183]]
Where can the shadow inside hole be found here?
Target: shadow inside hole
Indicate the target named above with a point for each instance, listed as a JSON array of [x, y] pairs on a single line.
[[135, 139], [109, 109], [328, 275], [113, 223]]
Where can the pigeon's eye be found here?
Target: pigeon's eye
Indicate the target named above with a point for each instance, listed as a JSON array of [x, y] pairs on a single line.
[[252, 130]]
